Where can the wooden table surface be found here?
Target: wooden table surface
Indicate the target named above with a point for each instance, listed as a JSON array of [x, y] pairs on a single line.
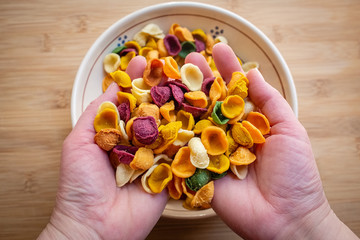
[[43, 42]]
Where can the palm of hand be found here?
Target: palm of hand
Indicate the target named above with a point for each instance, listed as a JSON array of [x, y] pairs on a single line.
[[89, 194]]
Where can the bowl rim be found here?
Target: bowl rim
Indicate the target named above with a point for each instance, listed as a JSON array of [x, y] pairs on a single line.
[[162, 6]]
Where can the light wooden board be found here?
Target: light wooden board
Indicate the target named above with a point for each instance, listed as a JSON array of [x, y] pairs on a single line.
[[43, 42]]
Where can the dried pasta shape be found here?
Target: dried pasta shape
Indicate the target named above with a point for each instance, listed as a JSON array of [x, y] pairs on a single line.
[[255, 133], [174, 187], [162, 158], [197, 99], [144, 51], [160, 177], [198, 154], [237, 76], [111, 62], [121, 78], [250, 65], [199, 34], [106, 82], [144, 178], [171, 68], [152, 29], [151, 43], [219, 164], [143, 159], [148, 109], [125, 138], [242, 156], [249, 107], [186, 118], [203, 197], [186, 190], [214, 140], [141, 91], [168, 111], [161, 48], [221, 39], [141, 38], [108, 104], [107, 118], [183, 34], [260, 121], [124, 97], [183, 137], [191, 76], [123, 174], [201, 125], [217, 114], [126, 59], [128, 128], [133, 44], [209, 44], [181, 166], [232, 106], [108, 138], [240, 171], [232, 144], [153, 72], [169, 134], [241, 135], [199, 179]]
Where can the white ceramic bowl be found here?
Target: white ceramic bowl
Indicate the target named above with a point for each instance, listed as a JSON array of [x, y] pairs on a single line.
[[248, 42]]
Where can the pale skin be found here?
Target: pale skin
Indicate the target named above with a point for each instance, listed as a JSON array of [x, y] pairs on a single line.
[[281, 198]]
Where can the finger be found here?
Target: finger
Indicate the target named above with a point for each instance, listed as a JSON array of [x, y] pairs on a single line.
[[269, 100], [85, 124], [225, 61], [200, 61], [136, 67]]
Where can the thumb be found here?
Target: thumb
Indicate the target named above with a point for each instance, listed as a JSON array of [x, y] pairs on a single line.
[[85, 124]]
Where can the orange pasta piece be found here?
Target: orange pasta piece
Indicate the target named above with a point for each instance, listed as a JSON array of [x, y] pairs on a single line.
[[259, 121], [171, 68], [242, 156], [143, 159], [196, 98], [241, 135], [153, 72], [168, 111], [175, 188], [214, 140], [106, 82], [183, 34], [181, 165], [254, 132]]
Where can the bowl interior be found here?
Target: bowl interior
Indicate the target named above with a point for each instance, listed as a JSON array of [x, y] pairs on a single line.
[[246, 40]]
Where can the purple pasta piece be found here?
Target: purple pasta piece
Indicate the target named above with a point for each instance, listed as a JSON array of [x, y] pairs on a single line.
[[178, 95], [126, 51], [178, 83], [172, 44], [160, 95], [145, 130], [200, 45], [206, 85], [195, 111], [122, 154], [124, 111]]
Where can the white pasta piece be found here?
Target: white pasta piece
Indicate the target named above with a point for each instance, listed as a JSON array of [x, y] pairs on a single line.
[[240, 171], [136, 174], [141, 91], [198, 155], [162, 158], [123, 174], [111, 62], [145, 177], [191, 76], [125, 137], [221, 39], [250, 65], [183, 137], [248, 107], [152, 29], [141, 38]]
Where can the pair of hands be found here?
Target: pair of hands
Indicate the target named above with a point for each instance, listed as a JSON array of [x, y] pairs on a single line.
[[282, 195]]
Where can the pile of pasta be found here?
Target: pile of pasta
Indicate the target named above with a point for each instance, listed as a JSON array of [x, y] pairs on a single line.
[[171, 126]]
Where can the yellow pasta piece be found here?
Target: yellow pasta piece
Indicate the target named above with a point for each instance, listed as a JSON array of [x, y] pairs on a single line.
[[219, 163], [186, 118], [124, 61], [111, 62], [151, 43], [232, 106], [107, 118], [209, 44], [201, 125], [199, 34], [175, 188], [121, 78], [133, 44], [124, 97], [160, 177], [232, 144], [241, 135], [106, 82]]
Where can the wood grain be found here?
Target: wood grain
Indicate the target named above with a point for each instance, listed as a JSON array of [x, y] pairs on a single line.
[[43, 42]]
